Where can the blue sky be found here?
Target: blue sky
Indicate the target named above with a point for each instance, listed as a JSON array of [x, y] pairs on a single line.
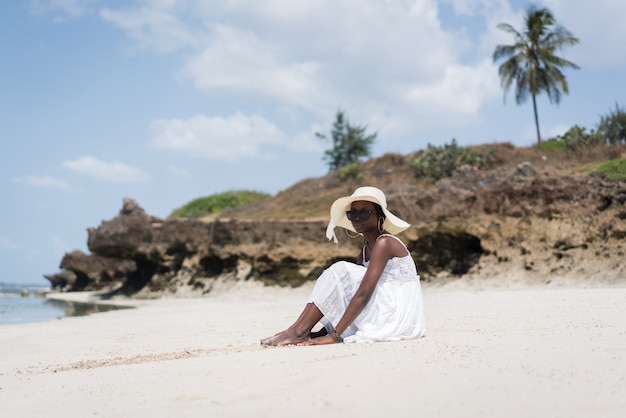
[[165, 101]]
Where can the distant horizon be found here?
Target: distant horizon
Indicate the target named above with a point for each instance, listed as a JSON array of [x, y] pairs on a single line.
[[24, 284]]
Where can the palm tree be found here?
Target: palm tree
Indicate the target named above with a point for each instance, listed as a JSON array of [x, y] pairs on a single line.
[[530, 61]]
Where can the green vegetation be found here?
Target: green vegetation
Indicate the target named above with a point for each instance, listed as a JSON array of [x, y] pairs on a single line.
[[349, 143], [352, 171], [575, 138], [439, 162], [552, 144], [614, 170], [530, 61], [612, 126], [611, 130], [217, 203]]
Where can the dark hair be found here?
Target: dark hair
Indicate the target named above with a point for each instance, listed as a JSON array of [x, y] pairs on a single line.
[[379, 210]]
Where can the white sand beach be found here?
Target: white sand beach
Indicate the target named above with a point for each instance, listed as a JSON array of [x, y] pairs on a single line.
[[551, 351]]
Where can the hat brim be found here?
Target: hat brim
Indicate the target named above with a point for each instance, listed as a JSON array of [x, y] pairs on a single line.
[[393, 224]]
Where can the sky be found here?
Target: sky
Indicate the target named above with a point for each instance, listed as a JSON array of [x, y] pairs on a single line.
[[165, 101]]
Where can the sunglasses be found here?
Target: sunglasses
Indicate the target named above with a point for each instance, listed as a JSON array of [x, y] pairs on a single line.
[[363, 214]]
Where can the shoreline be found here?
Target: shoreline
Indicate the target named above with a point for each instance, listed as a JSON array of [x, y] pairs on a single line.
[[515, 352], [93, 298], [84, 303]]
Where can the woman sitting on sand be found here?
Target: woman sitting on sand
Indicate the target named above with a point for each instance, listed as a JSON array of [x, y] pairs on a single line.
[[377, 299]]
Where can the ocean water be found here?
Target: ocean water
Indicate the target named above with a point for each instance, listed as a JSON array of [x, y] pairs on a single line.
[[16, 308]]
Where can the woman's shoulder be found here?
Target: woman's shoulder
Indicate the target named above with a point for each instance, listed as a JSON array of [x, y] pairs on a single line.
[[394, 243], [389, 238]]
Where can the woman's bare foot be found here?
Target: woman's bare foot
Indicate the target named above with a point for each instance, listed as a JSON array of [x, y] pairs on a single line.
[[286, 337], [268, 340]]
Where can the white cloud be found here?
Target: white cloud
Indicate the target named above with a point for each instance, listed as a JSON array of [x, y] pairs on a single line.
[[460, 91], [217, 138], [48, 182], [157, 24], [237, 60], [113, 171], [7, 244], [315, 57]]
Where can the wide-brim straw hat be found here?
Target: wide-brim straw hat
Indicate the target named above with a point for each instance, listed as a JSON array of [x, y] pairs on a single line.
[[393, 224]]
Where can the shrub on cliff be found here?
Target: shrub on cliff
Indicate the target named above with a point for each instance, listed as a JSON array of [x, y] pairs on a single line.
[[439, 162], [576, 138], [351, 171], [217, 203]]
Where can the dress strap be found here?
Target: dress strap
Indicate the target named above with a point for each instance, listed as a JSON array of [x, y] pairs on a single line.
[[392, 236]]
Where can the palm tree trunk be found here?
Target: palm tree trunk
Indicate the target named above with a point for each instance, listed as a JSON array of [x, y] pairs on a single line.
[[536, 119]]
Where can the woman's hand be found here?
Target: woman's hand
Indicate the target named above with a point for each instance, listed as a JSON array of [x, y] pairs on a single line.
[[326, 339]]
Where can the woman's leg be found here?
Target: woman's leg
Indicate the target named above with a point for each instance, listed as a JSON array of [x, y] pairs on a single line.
[[300, 330]]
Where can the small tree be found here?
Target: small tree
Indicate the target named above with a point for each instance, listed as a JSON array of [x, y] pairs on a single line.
[[612, 126], [349, 143]]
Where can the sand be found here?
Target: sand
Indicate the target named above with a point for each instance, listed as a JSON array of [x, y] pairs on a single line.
[[534, 351]]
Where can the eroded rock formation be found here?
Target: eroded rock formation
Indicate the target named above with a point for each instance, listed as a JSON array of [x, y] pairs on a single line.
[[136, 253]]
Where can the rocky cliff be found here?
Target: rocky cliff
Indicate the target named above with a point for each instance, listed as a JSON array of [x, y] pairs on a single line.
[[524, 220], [137, 254]]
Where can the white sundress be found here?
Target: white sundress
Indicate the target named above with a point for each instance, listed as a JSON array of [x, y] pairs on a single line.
[[394, 312]]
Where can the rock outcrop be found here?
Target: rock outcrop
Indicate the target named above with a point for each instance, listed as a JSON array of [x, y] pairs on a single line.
[[522, 222], [137, 254], [504, 223]]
